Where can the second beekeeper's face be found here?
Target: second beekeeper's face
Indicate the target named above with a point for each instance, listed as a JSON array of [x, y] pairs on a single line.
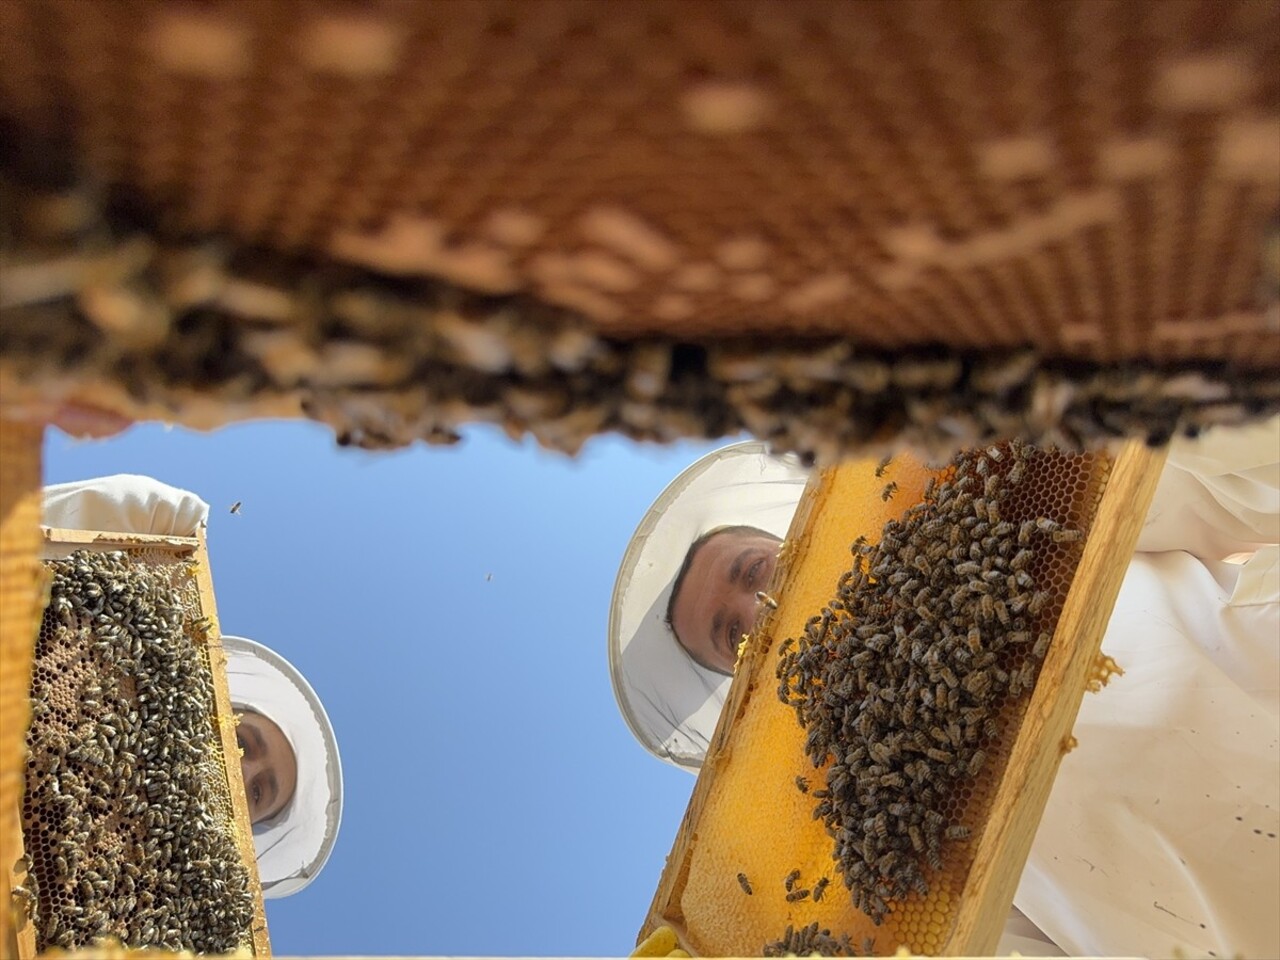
[[715, 601], [268, 764]]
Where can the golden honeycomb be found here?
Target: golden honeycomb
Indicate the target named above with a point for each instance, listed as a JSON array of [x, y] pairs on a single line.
[[128, 825], [755, 820]]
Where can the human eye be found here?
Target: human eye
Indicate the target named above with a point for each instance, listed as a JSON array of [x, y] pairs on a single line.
[[753, 572], [256, 793]]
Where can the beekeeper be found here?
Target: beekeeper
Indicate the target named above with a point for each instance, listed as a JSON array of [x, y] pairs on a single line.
[[292, 772], [1160, 834]]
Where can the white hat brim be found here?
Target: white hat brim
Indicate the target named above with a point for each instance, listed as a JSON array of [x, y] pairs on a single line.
[[671, 703], [293, 846]]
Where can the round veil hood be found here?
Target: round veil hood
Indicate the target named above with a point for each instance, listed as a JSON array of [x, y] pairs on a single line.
[[670, 702], [292, 846]]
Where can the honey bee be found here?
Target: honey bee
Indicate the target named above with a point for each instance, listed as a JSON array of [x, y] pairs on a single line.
[[796, 895], [880, 467], [1066, 536], [802, 784], [889, 490], [745, 884], [789, 881], [957, 832], [235, 507], [28, 900], [767, 600]]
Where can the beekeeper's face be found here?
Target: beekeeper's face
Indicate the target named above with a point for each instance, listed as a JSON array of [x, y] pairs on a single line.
[[268, 764], [715, 602]]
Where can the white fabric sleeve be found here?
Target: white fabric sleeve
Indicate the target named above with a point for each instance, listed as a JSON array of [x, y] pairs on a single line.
[[1160, 834], [1219, 494], [124, 503]]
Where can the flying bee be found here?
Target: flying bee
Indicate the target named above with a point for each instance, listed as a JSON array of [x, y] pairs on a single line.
[[880, 467], [745, 884], [235, 507]]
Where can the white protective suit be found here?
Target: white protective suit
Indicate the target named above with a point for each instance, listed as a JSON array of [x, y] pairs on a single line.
[[1160, 834], [293, 846]]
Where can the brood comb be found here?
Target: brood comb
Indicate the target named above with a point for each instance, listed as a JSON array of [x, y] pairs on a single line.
[[833, 225]]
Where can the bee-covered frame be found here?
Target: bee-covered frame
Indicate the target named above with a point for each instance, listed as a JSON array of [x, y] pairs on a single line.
[[815, 550], [58, 543]]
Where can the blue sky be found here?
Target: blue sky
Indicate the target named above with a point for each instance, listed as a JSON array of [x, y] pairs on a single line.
[[449, 607]]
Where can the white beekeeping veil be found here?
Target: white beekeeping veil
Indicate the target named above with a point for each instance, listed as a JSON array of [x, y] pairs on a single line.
[[670, 702], [292, 846]]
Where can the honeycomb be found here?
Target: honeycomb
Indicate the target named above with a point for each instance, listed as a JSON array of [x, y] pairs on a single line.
[[758, 817], [963, 220], [128, 825]]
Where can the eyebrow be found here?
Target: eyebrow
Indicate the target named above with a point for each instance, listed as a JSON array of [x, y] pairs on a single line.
[[252, 734]]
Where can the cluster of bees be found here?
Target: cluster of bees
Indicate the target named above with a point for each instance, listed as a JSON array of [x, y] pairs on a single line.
[[95, 287], [900, 679], [811, 940], [126, 814]]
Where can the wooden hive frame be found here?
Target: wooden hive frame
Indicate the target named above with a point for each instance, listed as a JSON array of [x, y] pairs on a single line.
[[816, 552], [57, 544]]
